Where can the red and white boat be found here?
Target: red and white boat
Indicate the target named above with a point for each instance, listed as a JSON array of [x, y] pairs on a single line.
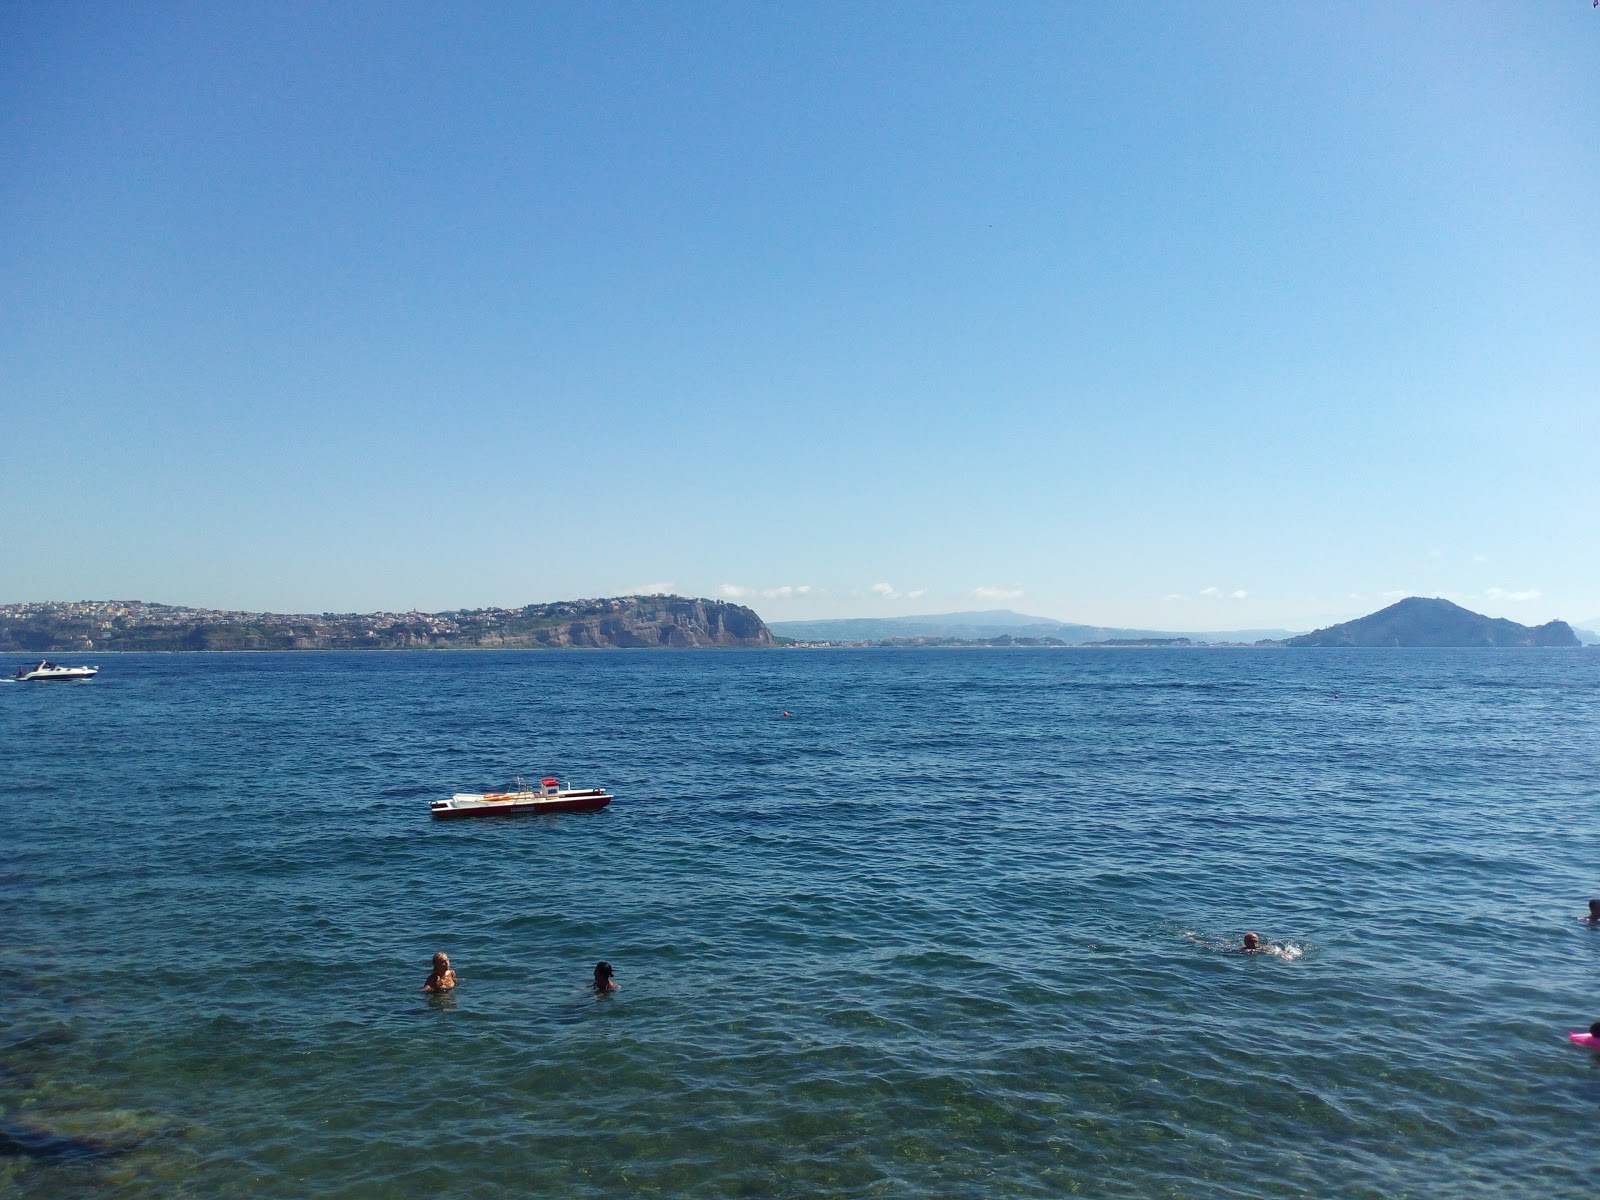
[[548, 797]]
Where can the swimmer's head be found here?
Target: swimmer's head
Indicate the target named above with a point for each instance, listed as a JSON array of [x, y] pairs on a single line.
[[1594, 910], [441, 961], [1252, 942], [1594, 1030], [602, 972]]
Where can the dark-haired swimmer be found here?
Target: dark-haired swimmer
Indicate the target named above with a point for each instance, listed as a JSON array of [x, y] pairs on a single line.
[[443, 978], [1594, 912], [603, 983], [1253, 944]]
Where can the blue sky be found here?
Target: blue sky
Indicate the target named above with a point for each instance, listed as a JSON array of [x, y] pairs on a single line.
[[1172, 315]]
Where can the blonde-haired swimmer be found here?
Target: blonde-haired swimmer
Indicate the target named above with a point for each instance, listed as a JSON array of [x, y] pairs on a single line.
[[443, 978]]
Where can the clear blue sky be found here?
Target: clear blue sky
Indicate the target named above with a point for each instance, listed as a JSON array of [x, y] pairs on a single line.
[[1179, 315]]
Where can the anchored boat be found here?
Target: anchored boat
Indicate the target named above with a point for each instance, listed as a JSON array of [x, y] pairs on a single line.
[[549, 796], [48, 670]]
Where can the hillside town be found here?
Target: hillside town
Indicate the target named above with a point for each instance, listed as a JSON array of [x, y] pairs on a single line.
[[88, 625]]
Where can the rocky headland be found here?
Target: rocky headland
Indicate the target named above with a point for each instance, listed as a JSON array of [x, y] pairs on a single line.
[[620, 622]]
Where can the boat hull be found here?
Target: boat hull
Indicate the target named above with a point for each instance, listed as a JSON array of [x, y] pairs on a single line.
[[463, 805], [56, 675]]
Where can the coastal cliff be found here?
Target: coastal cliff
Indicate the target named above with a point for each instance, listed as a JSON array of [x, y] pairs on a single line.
[[615, 623], [1416, 621]]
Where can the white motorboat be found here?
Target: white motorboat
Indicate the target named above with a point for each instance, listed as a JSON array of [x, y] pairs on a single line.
[[48, 670], [548, 797]]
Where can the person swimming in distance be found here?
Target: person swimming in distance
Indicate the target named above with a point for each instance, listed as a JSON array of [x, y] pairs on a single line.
[[443, 978], [1288, 951], [603, 983], [1594, 913]]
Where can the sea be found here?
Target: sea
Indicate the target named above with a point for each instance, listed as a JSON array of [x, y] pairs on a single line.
[[887, 923]]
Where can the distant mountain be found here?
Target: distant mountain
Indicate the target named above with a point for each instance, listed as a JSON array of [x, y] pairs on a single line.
[[993, 623], [998, 618], [621, 621], [1416, 621], [1588, 632], [961, 626]]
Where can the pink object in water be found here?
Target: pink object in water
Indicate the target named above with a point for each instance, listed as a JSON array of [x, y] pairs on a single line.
[[1584, 1039]]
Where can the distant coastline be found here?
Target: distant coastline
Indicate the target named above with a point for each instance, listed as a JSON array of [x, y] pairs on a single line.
[[1016, 643], [999, 627], [681, 622], [621, 622], [1415, 621]]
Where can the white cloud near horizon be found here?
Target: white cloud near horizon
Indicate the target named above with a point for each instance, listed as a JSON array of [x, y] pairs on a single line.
[[1211, 591], [787, 591], [1239, 594], [996, 593], [885, 590], [1495, 593]]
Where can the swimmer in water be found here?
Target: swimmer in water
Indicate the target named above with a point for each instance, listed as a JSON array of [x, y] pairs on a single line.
[[1253, 944], [1594, 912], [443, 978], [603, 983]]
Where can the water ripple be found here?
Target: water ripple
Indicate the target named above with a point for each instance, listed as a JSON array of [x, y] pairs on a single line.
[[960, 926]]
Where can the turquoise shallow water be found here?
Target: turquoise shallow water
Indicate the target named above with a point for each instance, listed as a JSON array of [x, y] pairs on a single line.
[[951, 929]]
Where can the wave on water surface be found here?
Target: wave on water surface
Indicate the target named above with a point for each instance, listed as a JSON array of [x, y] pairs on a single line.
[[960, 925]]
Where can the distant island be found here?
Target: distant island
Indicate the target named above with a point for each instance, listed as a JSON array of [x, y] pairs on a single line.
[[617, 622], [1416, 621]]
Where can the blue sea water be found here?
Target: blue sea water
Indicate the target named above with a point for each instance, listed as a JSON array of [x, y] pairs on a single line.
[[955, 927]]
